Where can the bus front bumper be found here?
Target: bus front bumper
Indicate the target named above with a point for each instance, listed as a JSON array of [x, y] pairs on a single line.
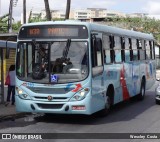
[[72, 107]]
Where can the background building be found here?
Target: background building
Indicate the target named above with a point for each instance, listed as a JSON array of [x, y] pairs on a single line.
[[54, 14], [81, 14], [138, 15], [111, 13]]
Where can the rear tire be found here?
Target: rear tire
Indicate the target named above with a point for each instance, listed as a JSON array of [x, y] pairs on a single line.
[[141, 95]]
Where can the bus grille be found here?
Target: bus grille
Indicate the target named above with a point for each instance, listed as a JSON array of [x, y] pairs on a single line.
[[50, 90], [55, 99], [50, 106]]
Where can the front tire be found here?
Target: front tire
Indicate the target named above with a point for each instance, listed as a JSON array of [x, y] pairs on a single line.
[[104, 112]]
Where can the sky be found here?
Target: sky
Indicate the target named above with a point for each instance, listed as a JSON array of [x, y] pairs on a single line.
[[152, 7]]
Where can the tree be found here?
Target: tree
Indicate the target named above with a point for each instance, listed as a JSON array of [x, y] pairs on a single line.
[[36, 19], [68, 9], [4, 23], [48, 12], [30, 16], [16, 26]]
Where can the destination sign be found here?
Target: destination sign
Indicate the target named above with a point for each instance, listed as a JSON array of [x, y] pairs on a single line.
[[53, 31]]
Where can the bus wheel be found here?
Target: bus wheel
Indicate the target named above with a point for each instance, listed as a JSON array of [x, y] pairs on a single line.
[[142, 91], [107, 107]]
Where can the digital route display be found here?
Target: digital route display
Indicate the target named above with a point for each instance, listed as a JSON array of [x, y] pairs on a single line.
[[53, 31]]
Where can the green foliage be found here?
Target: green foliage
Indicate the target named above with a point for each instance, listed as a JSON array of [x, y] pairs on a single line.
[[3, 23], [16, 26], [58, 19], [33, 20]]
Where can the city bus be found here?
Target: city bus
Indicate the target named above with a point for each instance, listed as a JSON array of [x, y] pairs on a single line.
[[71, 67]]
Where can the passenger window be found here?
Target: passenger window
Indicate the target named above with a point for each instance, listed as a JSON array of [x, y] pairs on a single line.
[[141, 49], [118, 57], [117, 49], [97, 52], [107, 49], [134, 49], [152, 49], [99, 58], [148, 51], [127, 50]]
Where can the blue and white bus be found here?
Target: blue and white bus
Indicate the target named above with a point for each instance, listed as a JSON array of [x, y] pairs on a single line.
[[72, 67]]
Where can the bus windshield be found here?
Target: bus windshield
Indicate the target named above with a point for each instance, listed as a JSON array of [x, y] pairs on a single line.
[[52, 62]]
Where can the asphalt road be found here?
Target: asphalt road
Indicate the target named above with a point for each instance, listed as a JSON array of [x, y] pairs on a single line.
[[128, 117]]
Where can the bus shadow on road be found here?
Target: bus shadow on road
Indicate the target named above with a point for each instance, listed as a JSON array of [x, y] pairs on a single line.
[[124, 111]]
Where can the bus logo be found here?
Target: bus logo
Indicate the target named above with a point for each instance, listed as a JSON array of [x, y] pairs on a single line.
[[50, 98]]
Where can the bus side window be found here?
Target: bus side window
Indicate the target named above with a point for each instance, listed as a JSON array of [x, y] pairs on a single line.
[[130, 48], [141, 49], [151, 43], [153, 49], [107, 49], [123, 48], [97, 56], [97, 52], [127, 50], [134, 49], [148, 50], [21, 54], [117, 49]]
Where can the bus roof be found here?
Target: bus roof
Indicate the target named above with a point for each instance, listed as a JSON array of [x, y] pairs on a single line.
[[98, 28], [10, 44]]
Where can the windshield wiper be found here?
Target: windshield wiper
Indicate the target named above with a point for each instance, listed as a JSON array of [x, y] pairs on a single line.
[[66, 49]]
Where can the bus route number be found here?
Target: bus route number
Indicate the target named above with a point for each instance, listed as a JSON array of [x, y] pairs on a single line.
[[34, 31]]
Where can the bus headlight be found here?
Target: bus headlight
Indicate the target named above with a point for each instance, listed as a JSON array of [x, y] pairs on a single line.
[[22, 94], [80, 95]]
